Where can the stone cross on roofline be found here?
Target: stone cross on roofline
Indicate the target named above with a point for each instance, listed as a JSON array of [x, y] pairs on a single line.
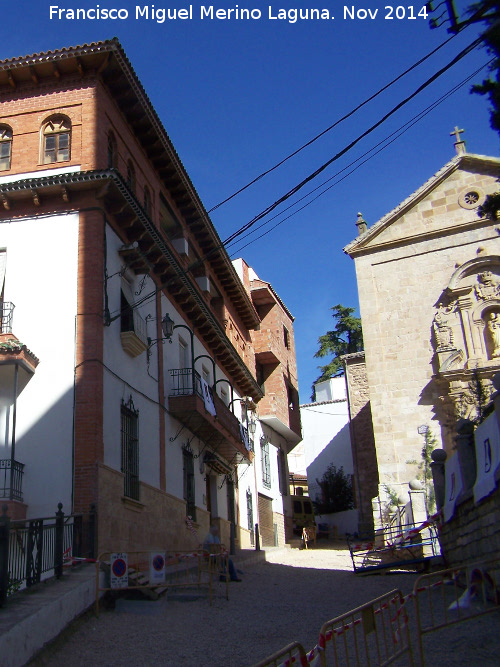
[[459, 144]]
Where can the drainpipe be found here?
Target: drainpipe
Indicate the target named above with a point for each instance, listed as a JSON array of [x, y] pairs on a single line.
[[13, 439]]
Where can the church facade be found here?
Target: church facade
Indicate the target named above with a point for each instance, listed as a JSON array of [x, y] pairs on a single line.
[[428, 276]]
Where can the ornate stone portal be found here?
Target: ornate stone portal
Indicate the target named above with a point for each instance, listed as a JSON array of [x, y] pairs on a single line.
[[466, 339]]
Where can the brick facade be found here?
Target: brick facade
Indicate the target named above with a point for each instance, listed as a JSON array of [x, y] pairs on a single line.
[[120, 152]]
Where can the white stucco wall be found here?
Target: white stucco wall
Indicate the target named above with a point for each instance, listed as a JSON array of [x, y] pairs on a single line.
[[126, 376], [41, 280], [326, 437]]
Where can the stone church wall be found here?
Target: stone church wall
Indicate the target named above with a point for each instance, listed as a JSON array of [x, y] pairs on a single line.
[[427, 255]]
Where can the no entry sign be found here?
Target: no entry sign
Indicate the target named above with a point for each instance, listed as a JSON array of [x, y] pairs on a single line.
[[157, 567], [119, 570]]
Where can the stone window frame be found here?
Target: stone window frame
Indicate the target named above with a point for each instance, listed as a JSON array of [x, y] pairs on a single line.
[[56, 133], [471, 197], [6, 136]]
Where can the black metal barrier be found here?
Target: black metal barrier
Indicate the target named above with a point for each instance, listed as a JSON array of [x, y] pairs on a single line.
[[32, 548]]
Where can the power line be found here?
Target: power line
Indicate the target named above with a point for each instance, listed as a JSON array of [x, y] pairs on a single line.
[[383, 144], [331, 127], [309, 178], [353, 143], [474, 18]]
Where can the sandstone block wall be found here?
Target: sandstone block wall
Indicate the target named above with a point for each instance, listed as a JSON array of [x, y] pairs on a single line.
[[362, 440], [402, 273], [473, 534]]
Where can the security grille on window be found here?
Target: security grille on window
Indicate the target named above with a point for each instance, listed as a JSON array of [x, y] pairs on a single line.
[[282, 472], [56, 140], [189, 495], [5, 147], [131, 176], [147, 201], [130, 449], [112, 151], [231, 514], [266, 464], [250, 516]]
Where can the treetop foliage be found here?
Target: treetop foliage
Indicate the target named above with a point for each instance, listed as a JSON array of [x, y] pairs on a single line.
[[336, 491], [345, 338]]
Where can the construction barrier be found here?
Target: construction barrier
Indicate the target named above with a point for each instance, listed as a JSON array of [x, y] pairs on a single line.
[[406, 547], [374, 634], [377, 633], [153, 572], [292, 654], [455, 595]]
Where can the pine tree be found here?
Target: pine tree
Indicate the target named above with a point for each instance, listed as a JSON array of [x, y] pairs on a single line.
[[345, 338]]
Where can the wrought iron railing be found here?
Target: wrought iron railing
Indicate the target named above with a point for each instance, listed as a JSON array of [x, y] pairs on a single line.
[[36, 549], [181, 382], [11, 479], [7, 313], [132, 321]]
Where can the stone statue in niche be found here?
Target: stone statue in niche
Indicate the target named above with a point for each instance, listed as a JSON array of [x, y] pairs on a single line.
[[443, 335], [487, 287], [493, 328]]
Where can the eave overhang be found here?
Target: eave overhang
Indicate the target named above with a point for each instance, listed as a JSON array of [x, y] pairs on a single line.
[[280, 427], [151, 252], [108, 61], [263, 293]]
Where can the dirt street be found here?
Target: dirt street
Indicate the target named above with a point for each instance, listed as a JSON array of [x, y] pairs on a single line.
[[284, 599]]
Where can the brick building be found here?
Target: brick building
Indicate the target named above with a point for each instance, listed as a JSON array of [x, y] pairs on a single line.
[[146, 383], [278, 411], [428, 279]]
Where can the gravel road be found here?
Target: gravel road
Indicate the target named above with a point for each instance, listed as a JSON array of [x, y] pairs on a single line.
[[286, 598]]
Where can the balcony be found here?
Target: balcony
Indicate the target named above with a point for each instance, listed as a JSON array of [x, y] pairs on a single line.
[[269, 349], [222, 432], [133, 332], [11, 479]]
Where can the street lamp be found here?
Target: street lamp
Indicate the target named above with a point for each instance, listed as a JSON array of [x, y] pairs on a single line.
[[168, 327]]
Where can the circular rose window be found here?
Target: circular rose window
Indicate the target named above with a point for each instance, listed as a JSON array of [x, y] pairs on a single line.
[[471, 198]]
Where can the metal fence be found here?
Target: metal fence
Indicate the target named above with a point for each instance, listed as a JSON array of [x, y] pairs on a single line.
[[35, 549]]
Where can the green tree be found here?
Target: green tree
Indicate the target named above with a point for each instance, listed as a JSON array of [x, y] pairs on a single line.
[[336, 491], [345, 338], [488, 12]]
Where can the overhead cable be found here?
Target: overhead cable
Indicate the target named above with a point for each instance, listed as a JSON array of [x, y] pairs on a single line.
[[385, 143]]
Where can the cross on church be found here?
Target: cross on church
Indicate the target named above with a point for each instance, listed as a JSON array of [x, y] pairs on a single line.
[[457, 133], [459, 143]]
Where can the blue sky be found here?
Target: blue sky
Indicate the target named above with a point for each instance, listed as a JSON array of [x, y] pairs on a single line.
[[237, 96]]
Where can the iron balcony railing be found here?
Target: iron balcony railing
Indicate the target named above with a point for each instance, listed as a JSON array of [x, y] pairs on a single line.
[[11, 479], [182, 384], [7, 313]]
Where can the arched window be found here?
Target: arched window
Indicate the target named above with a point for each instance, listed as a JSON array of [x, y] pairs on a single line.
[[147, 201], [112, 151], [5, 147], [131, 176], [56, 140]]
